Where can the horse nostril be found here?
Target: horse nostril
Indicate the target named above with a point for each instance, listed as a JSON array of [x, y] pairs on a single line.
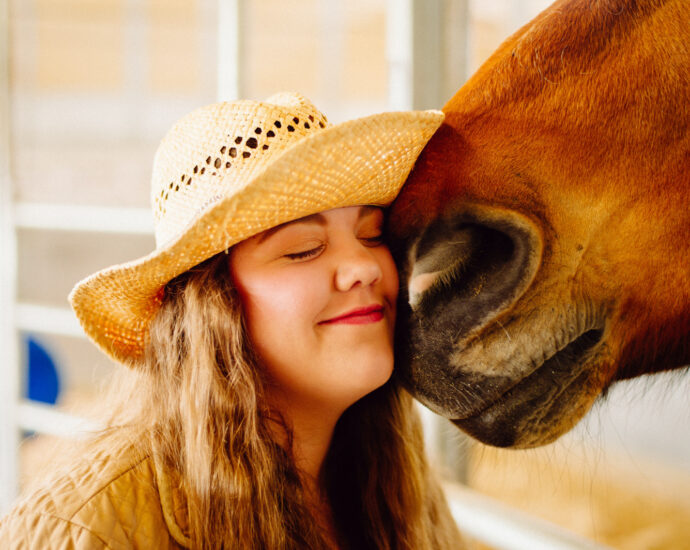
[[480, 266], [418, 284]]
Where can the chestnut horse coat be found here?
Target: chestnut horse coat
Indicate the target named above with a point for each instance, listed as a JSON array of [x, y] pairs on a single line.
[[544, 234]]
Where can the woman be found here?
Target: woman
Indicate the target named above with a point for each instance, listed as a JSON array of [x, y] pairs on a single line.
[[259, 334]]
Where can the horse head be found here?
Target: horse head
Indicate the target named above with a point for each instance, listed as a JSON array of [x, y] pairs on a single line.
[[543, 237]]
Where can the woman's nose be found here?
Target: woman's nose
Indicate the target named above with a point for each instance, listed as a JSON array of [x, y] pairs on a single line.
[[357, 266]]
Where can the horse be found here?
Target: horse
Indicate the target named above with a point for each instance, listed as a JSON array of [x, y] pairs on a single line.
[[543, 237]]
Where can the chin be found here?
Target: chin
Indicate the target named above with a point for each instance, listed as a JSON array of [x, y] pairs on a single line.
[[371, 374]]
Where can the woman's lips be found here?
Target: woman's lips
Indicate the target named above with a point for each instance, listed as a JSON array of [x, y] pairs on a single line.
[[359, 316]]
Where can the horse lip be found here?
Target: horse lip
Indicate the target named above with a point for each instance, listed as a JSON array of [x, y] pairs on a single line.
[[587, 340]]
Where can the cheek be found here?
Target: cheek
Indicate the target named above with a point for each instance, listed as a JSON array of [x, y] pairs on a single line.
[[276, 307]]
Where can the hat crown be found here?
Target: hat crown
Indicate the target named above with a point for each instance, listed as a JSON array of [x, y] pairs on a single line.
[[216, 150], [208, 195]]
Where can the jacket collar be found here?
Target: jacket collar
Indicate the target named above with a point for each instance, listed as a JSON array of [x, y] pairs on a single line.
[[173, 502]]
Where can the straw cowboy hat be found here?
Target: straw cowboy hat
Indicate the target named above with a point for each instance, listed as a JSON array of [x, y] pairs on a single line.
[[228, 171]]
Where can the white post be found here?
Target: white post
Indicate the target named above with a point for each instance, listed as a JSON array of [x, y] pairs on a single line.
[[10, 368], [136, 64], [330, 60], [231, 16], [399, 44], [454, 65], [427, 54], [426, 48]]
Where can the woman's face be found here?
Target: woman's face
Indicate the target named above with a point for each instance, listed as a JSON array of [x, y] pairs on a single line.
[[319, 299]]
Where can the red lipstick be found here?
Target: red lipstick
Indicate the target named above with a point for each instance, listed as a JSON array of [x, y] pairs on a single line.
[[359, 316]]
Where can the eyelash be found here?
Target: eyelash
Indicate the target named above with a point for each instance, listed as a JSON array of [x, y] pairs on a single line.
[[371, 241], [305, 254], [374, 241]]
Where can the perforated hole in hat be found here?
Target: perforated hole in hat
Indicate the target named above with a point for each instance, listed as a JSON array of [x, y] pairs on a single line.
[[237, 149]]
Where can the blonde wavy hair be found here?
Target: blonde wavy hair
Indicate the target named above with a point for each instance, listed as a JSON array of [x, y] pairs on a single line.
[[197, 402]]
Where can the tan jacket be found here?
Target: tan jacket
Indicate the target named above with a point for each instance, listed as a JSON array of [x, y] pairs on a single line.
[[108, 503]]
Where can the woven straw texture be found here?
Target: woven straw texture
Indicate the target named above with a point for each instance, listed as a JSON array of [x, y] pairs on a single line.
[[230, 170]]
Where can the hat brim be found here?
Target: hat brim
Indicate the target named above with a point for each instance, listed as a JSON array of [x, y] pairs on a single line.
[[362, 161]]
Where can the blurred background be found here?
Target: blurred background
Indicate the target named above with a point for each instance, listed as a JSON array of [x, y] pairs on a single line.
[[87, 90]]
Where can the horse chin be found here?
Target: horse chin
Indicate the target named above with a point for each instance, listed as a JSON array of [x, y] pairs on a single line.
[[495, 390], [537, 410]]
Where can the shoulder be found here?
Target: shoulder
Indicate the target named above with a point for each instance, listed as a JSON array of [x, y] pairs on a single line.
[[23, 530], [105, 503]]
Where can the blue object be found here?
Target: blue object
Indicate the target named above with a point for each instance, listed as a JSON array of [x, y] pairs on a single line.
[[44, 380]]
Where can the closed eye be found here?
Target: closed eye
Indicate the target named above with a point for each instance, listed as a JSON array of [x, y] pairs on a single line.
[[373, 241], [306, 253]]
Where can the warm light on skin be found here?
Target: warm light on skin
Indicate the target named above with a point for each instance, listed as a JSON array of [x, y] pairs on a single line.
[[293, 278]]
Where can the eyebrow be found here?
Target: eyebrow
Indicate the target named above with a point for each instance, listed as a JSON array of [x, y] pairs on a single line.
[[317, 219]]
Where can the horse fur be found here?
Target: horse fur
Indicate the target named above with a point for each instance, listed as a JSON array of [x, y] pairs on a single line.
[[543, 237]]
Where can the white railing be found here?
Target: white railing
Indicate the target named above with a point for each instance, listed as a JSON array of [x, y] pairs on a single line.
[[9, 348], [47, 420], [504, 528], [71, 217], [47, 320]]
